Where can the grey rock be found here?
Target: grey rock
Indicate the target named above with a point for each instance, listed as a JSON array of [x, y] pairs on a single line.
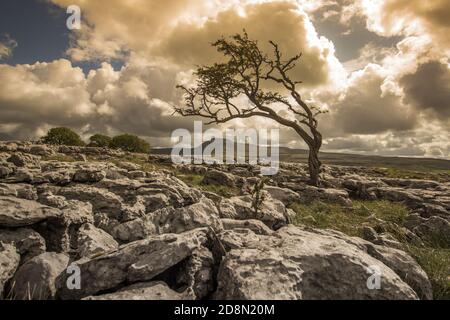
[[130, 166], [9, 261], [24, 160], [89, 175], [406, 267], [41, 150], [142, 291], [297, 264], [93, 241], [16, 212], [102, 221], [156, 201], [398, 195], [35, 280], [198, 274], [8, 146], [219, 177], [226, 209], [135, 262], [413, 220], [369, 234], [434, 230], [21, 175], [79, 157], [102, 200], [60, 177], [256, 226], [28, 242], [411, 183], [177, 191], [136, 174], [388, 240], [177, 220], [5, 171], [133, 230], [23, 191], [270, 211], [310, 193], [286, 196], [60, 232]]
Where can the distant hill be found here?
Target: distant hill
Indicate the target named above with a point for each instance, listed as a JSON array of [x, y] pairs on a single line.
[[346, 159]]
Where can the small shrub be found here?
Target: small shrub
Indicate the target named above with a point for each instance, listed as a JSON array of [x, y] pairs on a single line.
[[62, 136], [99, 140], [436, 264], [258, 195], [131, 143]]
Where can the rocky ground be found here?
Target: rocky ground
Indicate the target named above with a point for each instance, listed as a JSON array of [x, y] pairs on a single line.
[[140, 228]]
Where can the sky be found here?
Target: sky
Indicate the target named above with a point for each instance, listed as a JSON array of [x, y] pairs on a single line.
[[380, 67]]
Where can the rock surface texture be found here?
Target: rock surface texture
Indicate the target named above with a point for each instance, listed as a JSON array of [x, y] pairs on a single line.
[[129, 232]]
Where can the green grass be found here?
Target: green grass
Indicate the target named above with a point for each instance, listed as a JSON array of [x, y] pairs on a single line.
[[384, 215], [437, 175], [59, 157], [436, 264], [322, 215], [140, 159], [195, 180]]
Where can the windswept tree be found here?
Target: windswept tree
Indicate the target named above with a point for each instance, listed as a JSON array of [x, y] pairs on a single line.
[[130, 143], [248, 72], [99, 140], [62, 136]]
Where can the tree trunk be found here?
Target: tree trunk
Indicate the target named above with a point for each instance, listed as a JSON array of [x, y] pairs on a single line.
[[314, 166]]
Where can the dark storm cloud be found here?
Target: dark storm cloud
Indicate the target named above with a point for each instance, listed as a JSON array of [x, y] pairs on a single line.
[[429, 88]]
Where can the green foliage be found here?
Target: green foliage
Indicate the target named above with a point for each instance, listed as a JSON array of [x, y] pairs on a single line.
[[140, 159], [99, 140], [425, 173], [434, 259], [322, 215], [436, 264], [59, 158], [195, 180], [62, 136], [258, 195], [131, 143]]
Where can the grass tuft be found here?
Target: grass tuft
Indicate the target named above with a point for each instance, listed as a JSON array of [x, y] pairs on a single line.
[[195, 180], [380, 215]]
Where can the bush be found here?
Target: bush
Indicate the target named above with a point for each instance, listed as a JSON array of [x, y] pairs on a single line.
[[131, 143], [62, 136], [99, 140]]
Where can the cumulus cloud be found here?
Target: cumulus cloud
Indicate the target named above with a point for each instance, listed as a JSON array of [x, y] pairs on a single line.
[[135, 99], [392, 17], [368, 105], [114, 26], [180, 32], [429, 88], [391, 99], [429, 140], [369, 53], [7, 46], [43, 93], [281, 22]]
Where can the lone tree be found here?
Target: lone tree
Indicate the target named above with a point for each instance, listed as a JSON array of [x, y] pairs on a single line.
[[99, 140], [131, 143], [62, 136], [249, 72]]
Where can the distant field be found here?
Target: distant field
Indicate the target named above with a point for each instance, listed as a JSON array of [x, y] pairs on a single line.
[[416, 164], [402, 163]]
